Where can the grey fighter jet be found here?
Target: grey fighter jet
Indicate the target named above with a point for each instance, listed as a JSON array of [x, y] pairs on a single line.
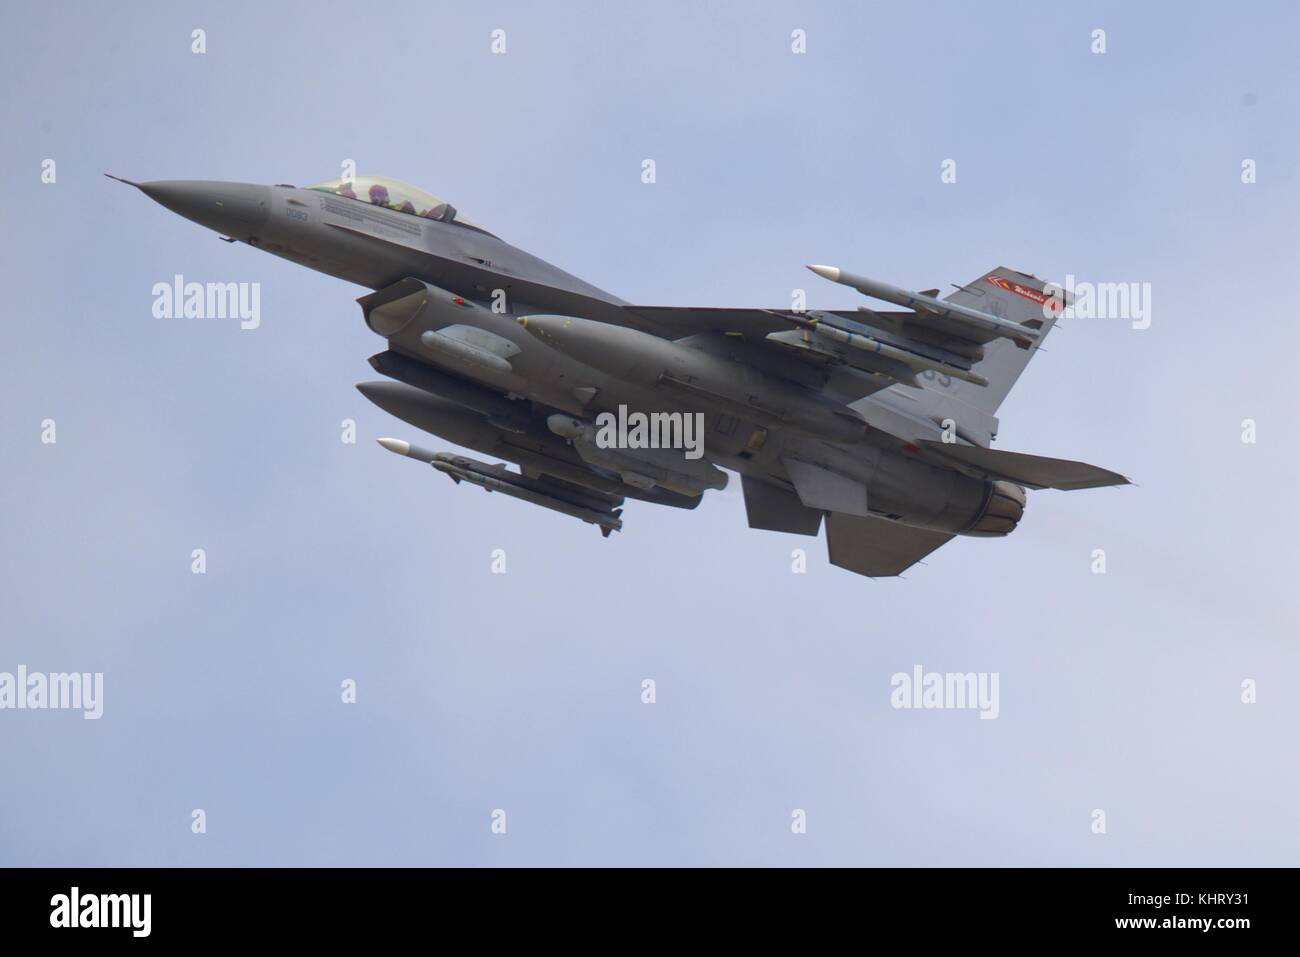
[[879, 423]]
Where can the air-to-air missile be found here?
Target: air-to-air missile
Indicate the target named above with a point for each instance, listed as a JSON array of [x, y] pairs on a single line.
[[1023, 335], [702, 378], [590, 507]]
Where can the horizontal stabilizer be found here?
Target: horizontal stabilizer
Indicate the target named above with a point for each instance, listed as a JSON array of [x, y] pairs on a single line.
[[877, 547], [1032, 471]]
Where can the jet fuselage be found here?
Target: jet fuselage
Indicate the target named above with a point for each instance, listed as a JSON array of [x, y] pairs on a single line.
[[493, 284]]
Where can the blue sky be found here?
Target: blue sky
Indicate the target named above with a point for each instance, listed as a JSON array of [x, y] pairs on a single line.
[[521, 691]]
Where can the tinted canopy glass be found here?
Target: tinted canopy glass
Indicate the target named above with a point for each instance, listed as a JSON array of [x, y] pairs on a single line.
[[396, 195]]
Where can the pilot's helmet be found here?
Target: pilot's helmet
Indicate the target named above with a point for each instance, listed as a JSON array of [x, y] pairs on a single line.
[[379, 194], [406, 206], [345, 189]]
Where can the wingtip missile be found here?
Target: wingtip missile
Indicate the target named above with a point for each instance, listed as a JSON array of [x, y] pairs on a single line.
[[826, 272], [1024, 335]]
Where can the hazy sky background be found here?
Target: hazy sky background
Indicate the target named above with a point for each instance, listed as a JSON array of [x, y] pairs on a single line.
[[521, 691]]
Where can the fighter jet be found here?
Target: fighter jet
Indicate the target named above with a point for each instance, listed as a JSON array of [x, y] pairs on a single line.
[[879, 424]]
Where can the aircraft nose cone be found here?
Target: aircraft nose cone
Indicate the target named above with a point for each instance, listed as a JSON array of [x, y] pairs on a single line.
[[237, 210]]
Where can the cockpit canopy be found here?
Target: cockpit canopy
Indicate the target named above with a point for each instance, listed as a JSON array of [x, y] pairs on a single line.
[[394, 194]]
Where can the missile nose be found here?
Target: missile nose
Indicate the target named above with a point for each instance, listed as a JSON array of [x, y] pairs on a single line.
[[827, 272], [237, 210], [396, 445]]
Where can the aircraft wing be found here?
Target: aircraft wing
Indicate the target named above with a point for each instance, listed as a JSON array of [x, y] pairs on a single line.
[[888, 346], [676, 322], [877, 547]]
